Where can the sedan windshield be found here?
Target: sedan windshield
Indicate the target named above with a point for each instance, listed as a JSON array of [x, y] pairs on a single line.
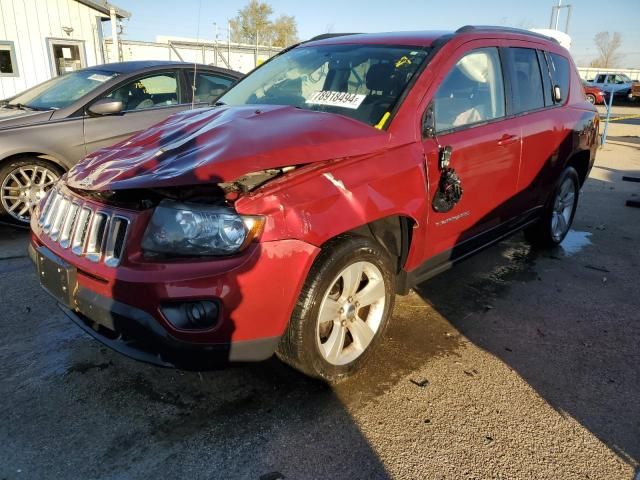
[[363, 82], [60, 92]]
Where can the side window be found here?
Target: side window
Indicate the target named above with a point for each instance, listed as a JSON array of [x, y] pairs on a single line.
[[528, 92], [154, 91], [8, 64], [208, 86], [559, 70], [472, 92]]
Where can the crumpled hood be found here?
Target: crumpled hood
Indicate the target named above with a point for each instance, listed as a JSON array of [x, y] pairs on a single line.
[[221, 144]]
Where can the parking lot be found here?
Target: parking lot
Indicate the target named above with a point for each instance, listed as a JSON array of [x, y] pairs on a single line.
[[514, 364]]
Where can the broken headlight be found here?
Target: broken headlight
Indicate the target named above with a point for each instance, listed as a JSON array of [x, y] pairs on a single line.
[[195, 229]]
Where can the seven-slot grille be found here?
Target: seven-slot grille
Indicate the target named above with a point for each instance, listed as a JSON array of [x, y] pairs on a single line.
[[89, 232]]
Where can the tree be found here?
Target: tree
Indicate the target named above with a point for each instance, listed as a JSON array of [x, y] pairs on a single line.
[[608, 47], [285, 31], [254, 22]]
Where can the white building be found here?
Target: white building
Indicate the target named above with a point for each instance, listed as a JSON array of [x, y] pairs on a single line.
[[40, 39]]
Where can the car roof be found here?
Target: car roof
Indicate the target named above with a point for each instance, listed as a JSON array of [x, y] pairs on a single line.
[[135, 66], [427, 38]]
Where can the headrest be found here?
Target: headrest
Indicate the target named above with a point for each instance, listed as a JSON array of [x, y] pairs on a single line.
[[380, 77]]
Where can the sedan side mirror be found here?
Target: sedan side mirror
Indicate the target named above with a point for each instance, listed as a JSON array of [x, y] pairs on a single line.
[[557, 94], [106, 106]]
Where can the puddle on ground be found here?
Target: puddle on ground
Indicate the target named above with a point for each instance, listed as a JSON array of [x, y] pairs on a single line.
[[574, 242]]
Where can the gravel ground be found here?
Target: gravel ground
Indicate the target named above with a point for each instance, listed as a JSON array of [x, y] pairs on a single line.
[[515, 364]]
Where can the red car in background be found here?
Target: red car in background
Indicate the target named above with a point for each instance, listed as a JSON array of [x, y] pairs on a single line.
[[594, 95], [336, 175]]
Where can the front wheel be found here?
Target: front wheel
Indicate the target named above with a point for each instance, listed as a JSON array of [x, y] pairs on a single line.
[[591, 98], [343, 310], [23, 183], [557, 217]]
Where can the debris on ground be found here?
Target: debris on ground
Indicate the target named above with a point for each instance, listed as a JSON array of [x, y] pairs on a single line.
[[272, 476], [597, 268], [420, 383]]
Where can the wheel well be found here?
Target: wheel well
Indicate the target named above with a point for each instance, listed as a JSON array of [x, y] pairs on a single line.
[[392, 233], [40, 156], [580, 161]]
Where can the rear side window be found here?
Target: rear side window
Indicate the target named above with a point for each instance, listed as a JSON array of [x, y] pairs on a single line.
[[472, 92], [559, 70], [208, 86], [528, 92]]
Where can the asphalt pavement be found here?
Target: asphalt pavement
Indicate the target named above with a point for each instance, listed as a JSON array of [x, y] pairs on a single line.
[[515, 364]]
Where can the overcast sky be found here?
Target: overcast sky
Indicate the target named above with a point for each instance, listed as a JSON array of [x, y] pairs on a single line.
[[168, 17]]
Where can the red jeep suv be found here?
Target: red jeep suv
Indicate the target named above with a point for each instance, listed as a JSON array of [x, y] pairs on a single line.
[[340, 173]]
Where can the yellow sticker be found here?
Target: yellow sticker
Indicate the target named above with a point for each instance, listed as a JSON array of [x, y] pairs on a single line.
[[383, 120], [403, 61]]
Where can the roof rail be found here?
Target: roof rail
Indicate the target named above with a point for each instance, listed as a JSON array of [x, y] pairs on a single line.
[[329, 35], [491, 28]]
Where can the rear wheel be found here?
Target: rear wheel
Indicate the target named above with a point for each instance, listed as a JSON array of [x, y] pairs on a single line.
[[343, 310], [557, 217], [23, 183], [591, 98]]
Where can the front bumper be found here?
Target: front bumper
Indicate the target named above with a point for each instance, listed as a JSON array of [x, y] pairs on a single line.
[[121, 306]]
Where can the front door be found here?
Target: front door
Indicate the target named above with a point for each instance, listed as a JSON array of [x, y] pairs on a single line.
[[470, 118], [147, 100]]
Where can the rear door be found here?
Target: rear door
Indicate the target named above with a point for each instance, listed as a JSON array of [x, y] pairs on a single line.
[[208, 86], [148, 99], [471, 118], [534, 107]]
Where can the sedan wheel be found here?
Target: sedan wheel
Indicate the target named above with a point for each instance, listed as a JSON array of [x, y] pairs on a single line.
[[591, 98], [351, 313], [23, 187]]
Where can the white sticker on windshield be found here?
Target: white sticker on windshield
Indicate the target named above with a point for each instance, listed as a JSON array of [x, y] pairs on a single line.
[[96, 77], [336, 99]]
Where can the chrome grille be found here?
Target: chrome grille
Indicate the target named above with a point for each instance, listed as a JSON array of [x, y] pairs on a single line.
[[92, 233]]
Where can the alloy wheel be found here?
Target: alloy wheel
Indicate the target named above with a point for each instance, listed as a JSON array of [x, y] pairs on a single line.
[[563, 209], [23, 188], [351, 313]]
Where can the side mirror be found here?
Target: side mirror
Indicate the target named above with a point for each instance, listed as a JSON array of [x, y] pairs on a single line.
[[106, 106], [429, 122], [557, 94]]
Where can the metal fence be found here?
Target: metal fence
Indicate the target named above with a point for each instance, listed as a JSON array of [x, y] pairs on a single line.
[[236, 56]]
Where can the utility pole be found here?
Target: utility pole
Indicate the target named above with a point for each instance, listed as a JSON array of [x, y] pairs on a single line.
[[215, 44], [256, 60], [115, 42], [555, 16], [229, 43]]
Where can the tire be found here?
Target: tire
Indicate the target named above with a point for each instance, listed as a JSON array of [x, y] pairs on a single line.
[[591, 98], [23, 183], [306, 344], [557, 217]]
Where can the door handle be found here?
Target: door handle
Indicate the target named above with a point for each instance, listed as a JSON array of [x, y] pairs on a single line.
[[508, 139]]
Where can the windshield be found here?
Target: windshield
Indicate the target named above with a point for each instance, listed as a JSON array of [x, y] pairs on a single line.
[[60, 92], [360, 81]]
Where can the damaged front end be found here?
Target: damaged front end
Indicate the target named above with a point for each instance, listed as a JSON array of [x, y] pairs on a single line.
[[193, 221], [224, 193]]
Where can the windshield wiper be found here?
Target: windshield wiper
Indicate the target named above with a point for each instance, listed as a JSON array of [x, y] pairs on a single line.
[[22, 106], [219, 103]]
